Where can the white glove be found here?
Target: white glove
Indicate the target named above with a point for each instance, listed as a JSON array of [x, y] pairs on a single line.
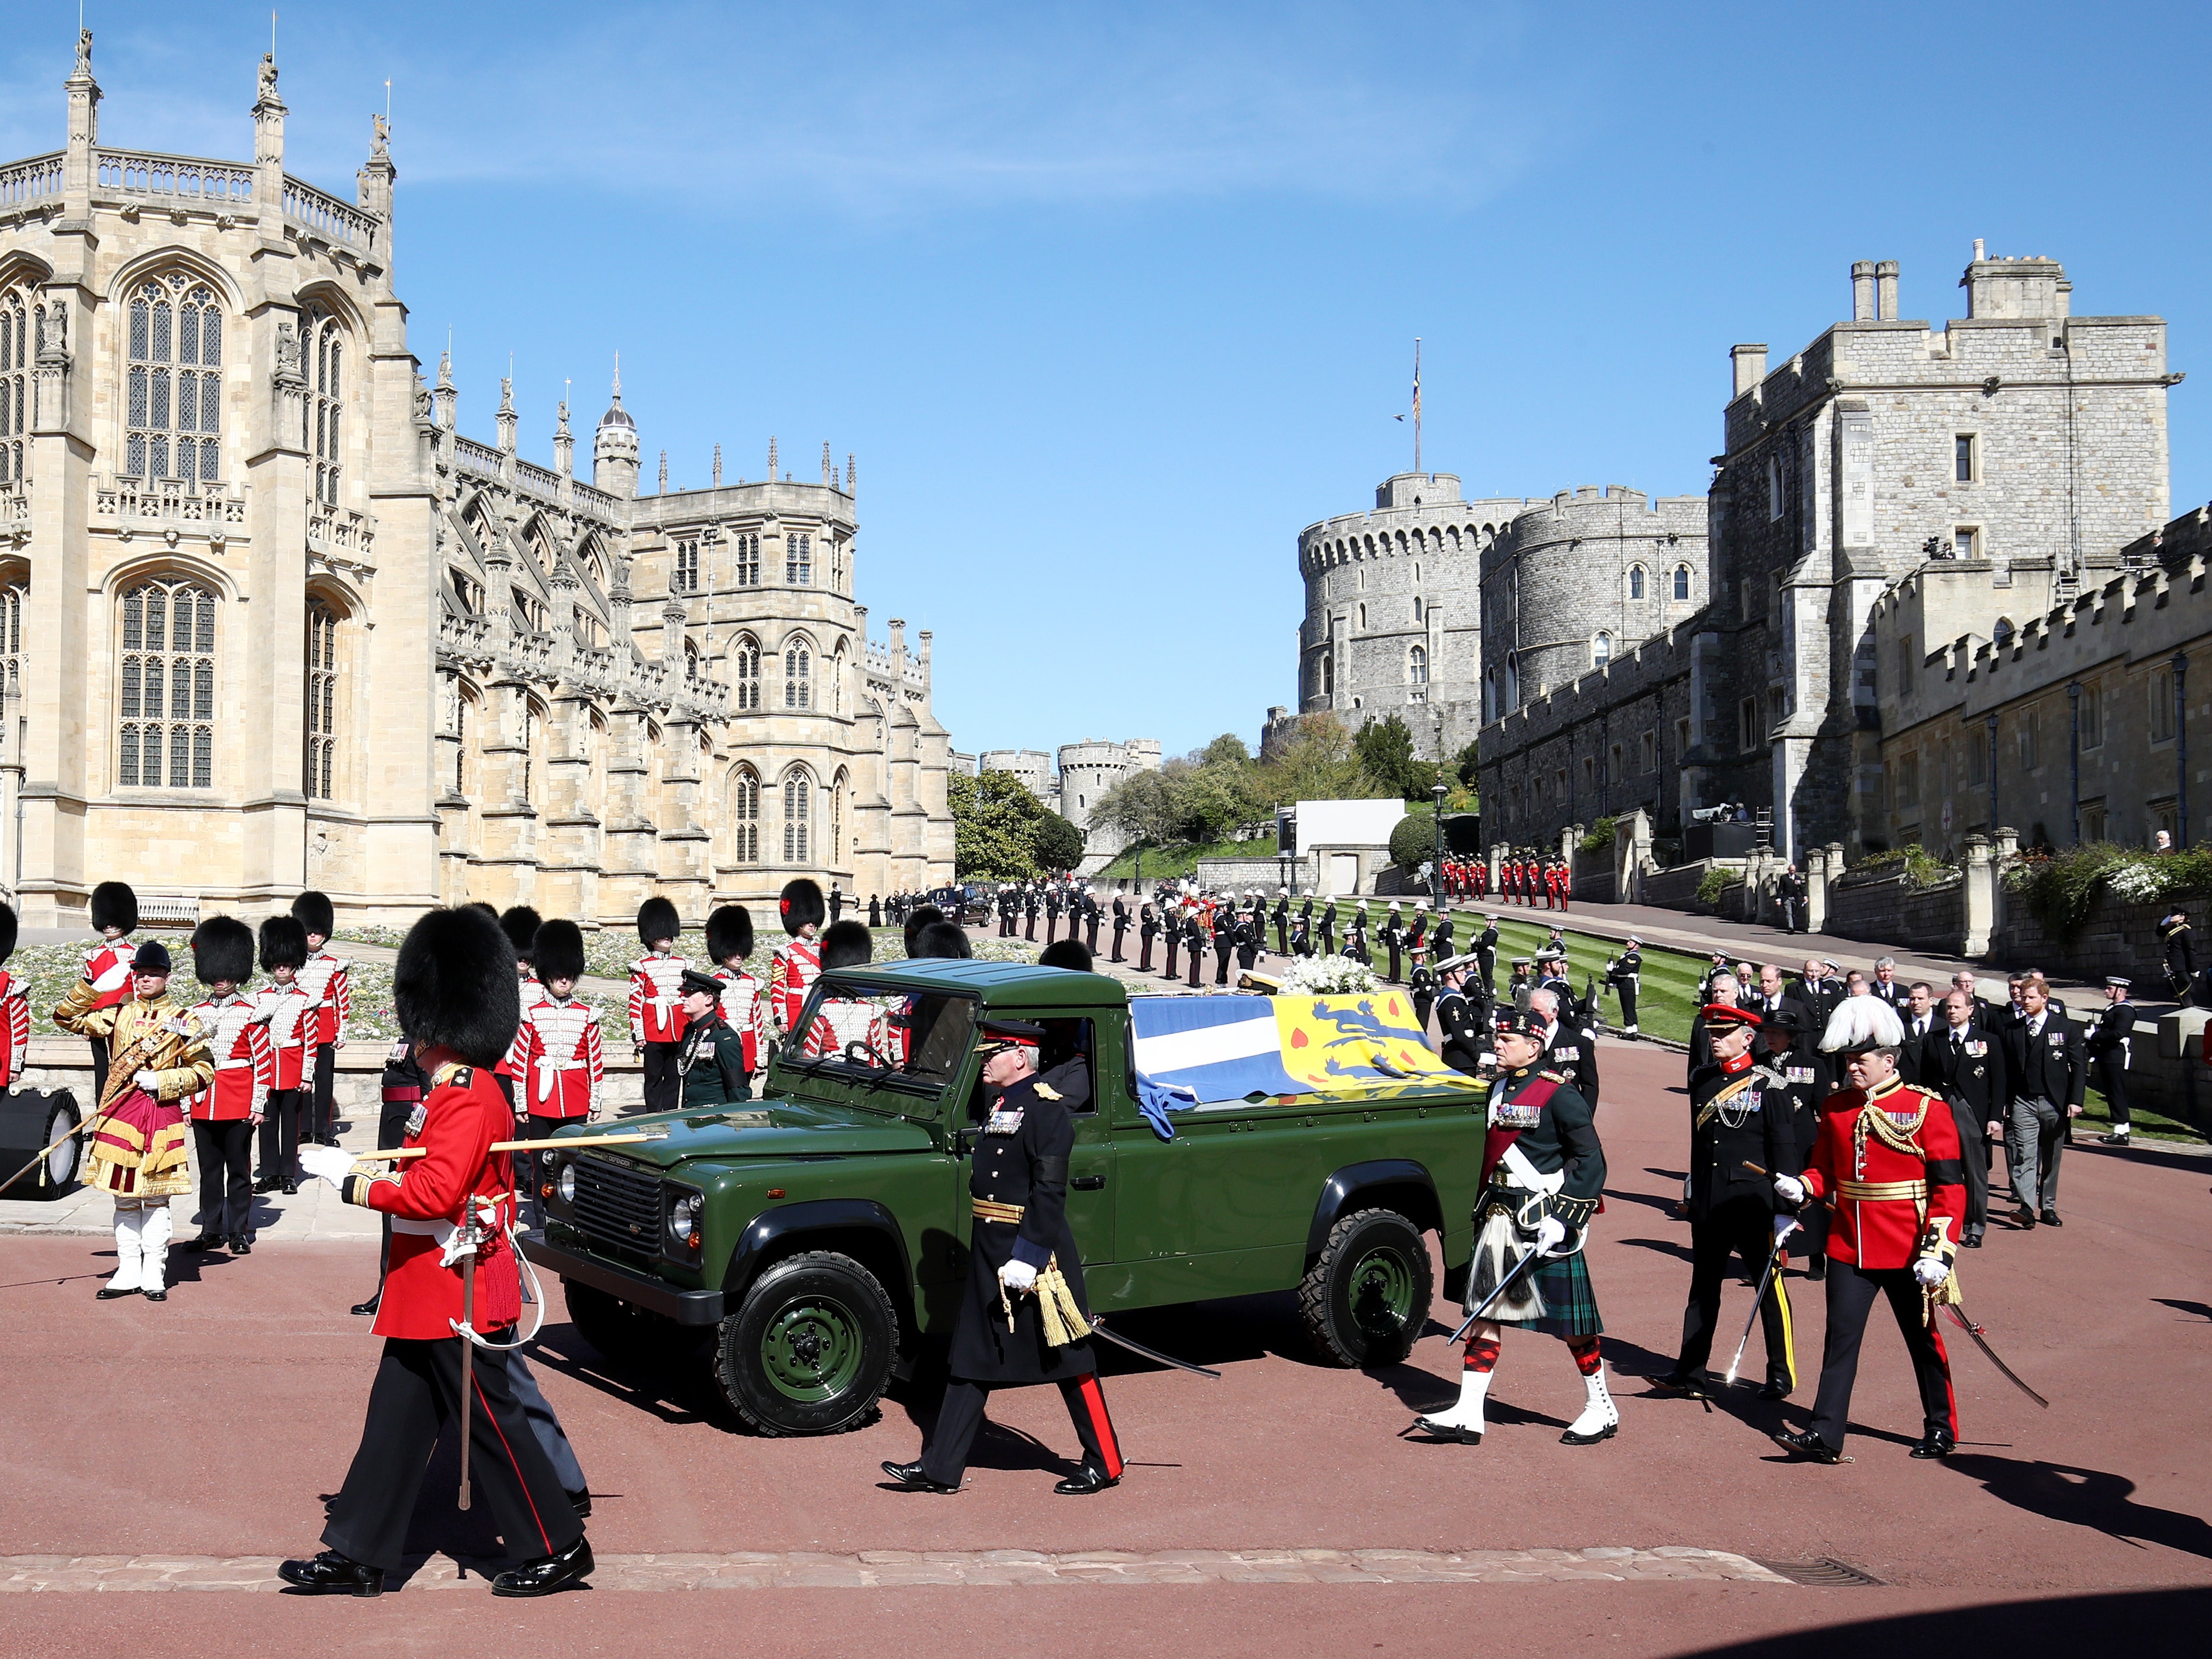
[[1017, 1276], [1784, 1226], [331, 1163], [1791, 1189], [1551, 1233], [1685, 1190], [1931, 1270], [149, 1082]]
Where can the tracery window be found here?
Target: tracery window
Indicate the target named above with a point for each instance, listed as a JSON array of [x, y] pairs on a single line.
[[1600, 650], [833, 851], [13, 601], [528, 612], [746, 664], [690, 662], [684, 578], [799, 560], [325, 356], [1417, 665], [744, 813], [17, 343], [461, 744], [746, 550], [322, 699], [174, 397], [798, 810], [797, 669], [166, 734], [1636, 582]]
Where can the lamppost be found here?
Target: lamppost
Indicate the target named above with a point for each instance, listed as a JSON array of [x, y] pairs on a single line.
[[1436, 870]]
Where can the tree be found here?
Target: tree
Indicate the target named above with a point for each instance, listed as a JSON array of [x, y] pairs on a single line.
[[1142, 806], [1385, 748], [1414, 841], [1315, 763], [1056, 843], [994, 826], [1227, 750]]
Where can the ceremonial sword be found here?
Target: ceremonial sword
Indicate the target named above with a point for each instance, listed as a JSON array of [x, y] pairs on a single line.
[[1098, 1327], [467, 1332], [1773, 1255]]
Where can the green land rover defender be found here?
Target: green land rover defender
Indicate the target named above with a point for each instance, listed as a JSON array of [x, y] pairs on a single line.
[[820, 1234]]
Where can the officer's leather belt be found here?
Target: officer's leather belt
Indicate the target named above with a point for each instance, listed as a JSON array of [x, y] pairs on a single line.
[[1875, 1191], [986, 1209]]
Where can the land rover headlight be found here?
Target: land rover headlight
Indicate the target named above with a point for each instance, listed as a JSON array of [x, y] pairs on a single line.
[[565, 1183], [683, 1218]]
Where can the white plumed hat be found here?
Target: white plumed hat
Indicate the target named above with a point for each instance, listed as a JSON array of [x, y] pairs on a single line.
[[1860, 1023]]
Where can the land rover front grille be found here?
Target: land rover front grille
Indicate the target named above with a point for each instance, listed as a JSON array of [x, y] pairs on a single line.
[[619, 1207]]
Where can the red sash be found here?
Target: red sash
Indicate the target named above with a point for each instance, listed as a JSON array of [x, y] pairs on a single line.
[[1495, 1141]]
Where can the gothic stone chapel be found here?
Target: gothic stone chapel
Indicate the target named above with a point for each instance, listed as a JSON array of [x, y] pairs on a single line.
[[270, 622]]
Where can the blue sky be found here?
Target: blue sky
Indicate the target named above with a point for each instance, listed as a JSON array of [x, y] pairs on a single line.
[[1111, 301]]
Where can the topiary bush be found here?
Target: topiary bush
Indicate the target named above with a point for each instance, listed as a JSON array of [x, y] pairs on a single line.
[[1413, 840], [1717, 885]]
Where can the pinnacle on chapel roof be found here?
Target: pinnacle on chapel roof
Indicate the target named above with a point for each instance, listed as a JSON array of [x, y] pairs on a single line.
[[617, 415]]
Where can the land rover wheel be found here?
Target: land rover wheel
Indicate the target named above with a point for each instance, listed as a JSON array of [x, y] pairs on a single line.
[[809, 1351], [1367, 1296], [628, 1338]]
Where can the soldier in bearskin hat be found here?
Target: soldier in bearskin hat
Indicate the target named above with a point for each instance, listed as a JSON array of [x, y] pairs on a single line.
[[656, 1003], [284, 1008], [560, 1068], [1543, 1172], [107, 979], [797, 963], [745, 998], [520, 924], [454, 990], [327, 980], [225, 1113], [15, 1007]]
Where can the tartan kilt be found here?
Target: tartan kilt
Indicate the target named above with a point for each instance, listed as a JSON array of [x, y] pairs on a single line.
[[1564, 1304]]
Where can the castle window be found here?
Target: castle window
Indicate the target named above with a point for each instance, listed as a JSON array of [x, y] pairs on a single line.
[[1681, 581], [747, 550], [798, 670], [1966, 542], [1908, 784], [175, 387], [745, 663], [1418, 615], [745, 814], [2030, 720], [532, 721], [1636, 582], [684, 578], [13, 598], [1328, 674], [1417, 672], [1965, 458], [325, 344], [2162, 704], [835, 850], [461, 744], [1777, 496], [1648, 750], [1601, 649], [1363, 617], [16, 336], [1747, 722], [165, 735], [1908, 665], [529, 614], [799, 560], [322, 721], [2093, 717], [798, 810]]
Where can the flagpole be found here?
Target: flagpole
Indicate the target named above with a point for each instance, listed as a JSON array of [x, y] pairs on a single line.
[[1416, 403]]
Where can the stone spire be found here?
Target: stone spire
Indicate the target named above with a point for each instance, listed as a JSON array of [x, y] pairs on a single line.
[[614, 447], [664, 473], [829, 467], [373, 184], [851, 476], [718, 466], [443, 394], [507, 409], [771, 458], [564, 442]]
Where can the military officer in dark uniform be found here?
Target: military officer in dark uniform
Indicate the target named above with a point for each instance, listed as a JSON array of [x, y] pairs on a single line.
[[1032, 901], [1251, 935], [1740, 1111], [1462, 1019], [1486, 952], [1121, 925], [2178, 951], [1301, 935], [1194, 944], [1022, 1253], [1421, 983], [1624, 973], [1355, 936], [1224, 941], [1328, 928], [1393, 935], [1148, 927], [1570, 1049], [1171, 924], [1051, 913], [1283, 921], [712, 1061], [1090, 919], [2110, 1046]]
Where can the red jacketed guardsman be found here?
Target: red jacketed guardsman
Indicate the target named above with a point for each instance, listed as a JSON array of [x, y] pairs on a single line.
[[1566, 882], [1886, 1158], [563, 1067], [289, 1014], [656, 1003], [455, 993], [226, 1113], [745, 998], [15, 1008], [328, 981], [797, 963]]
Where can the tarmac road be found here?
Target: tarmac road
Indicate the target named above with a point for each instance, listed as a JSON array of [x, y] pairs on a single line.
[[205, 1429]]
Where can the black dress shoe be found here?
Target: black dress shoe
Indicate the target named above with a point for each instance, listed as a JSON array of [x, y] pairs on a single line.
[[290, 1188], [580, 1500], [206, 1242], [2023, 1218], [1936, 1442], [109, 1293], [159, 1294], [1817, 1268], [266, 1184], [1807, 1444], [2051, 1218], [551, 1573], [911, 1479], [1682, 1383], [241, 1245], [1087, 1479], [370, 1306], [1972, 1241], [332, 1574], [1571, 1438], [1774, 1391], [2120, 1139]]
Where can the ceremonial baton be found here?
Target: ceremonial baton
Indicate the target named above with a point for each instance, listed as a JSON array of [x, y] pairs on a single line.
[[1773, 1255], [650, 1132], [467, 1333], [1974, 1330], [1519, 1267]]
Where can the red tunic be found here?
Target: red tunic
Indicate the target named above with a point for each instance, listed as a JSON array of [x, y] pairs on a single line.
[[237, 1033], [324, 978], [1896, 1202], [463, 1114], [744, 1011], [656, 999], [792, 972], [108, 971], [14, 1026], [560, 1063], [292, 1025]]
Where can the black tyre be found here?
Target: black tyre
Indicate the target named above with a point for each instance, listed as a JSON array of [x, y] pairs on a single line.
[[64, 1163], [809, 1351], [1367, 1296], [628, 1337]]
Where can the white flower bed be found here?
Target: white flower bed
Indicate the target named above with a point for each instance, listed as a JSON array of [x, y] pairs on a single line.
[[1329, 977]]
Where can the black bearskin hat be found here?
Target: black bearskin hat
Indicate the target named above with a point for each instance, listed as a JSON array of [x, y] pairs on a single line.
[[8, 929], [454, 986], [657, 919], [520, 925], [557, 950], [846, 944], [942, 938], [729, 933], [314, 910], [114, 905], [222, 948], [491, 911], [801, 905], [921, 917], [1069, 953], [283, 944]]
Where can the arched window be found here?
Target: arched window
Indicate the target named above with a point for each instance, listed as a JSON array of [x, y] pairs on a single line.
[[745, 663], [322, 700], [463, 705], [797, 672], [1776, 498], [746, 551], [799, 560], [684, 578], [1363, 615], [17, 343], [690, 662], [1681, 581], [324, 359], [13, 599], [533, 721], [1419, 610], [798, 812], [744, 814], [165, 735], [1601, 649], [1417, 665], [1636, 582], [1328, 674], [835, 851], [175, 400]]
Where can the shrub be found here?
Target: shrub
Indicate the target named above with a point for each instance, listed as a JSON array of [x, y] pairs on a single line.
[[1717, 885], [1413, 840], [2061, 892], [1599, 837], [1919, 867]]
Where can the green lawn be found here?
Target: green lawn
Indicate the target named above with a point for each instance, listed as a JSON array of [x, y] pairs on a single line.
[[1178, 859]]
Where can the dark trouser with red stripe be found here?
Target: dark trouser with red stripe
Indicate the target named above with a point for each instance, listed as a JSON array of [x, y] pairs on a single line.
[[945, 1459], [1851, 1292], [225, 1150], [320, 1126], [1739, 1227], [418, 1391]]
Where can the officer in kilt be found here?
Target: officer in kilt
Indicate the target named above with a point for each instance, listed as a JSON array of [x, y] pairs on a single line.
[[1543, 1172]]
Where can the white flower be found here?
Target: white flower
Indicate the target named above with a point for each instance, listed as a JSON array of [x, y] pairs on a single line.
[[2132, 882], [1327, 976]]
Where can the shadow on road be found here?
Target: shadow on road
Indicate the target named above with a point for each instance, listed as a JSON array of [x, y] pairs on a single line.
[[2084, 1498], [2151, 1619], [2202, 1310]]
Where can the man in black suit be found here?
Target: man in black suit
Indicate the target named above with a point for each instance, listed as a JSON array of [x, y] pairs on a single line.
[[1887, 986], [1283, 923], [2111, 1046], [2047, 1074], [1964, 1063], [1121, 925], [1569, 1049], [1820, 990], [1768, 996], [1922, 1021]]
